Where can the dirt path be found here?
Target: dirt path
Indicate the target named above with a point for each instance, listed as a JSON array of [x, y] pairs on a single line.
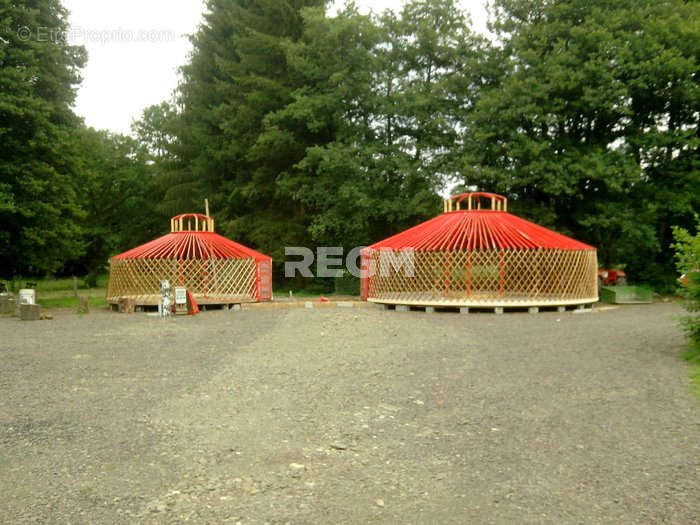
[[329, 416]]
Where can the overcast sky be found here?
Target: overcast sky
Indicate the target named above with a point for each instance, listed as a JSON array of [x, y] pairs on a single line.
[[136, 46]]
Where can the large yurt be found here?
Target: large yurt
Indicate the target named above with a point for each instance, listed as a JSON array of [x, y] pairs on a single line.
[[476, 254], [216, 270]]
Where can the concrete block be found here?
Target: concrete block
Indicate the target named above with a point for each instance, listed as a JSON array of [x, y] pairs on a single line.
[[30, 312], [236, 308], [403, 308], [126, 305], [464, 310], [498, 310], [533, 310], [429, 309], [382, 306], [7, 303], [561, 309], [309, 305]]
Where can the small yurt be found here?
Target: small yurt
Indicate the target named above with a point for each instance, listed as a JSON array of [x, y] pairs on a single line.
[[216, 270], [476, 254]]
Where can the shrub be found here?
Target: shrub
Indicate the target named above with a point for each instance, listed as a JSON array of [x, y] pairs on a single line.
[[687, 248], [348, 284]]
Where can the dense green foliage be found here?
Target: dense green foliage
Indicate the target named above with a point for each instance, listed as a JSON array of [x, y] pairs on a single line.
[[117, 191], [688, 263], [373, 124], [69, 196], [40, 212], [593, 126], [237, 75], [306, 128]]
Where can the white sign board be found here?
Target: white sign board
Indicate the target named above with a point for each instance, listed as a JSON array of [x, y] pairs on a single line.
[[180, 296]]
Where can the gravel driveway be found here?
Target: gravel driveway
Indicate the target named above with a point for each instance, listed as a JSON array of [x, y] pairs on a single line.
[[349, 416]]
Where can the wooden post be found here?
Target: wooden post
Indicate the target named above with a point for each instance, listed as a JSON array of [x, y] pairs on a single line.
[[502, 274], [469, 272], [447, 273], [206, 267], [206, 207], [83, 305]]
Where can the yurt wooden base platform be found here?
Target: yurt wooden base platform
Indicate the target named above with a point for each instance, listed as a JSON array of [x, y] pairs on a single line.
[[479, 301], [472, 306], [154, 300]]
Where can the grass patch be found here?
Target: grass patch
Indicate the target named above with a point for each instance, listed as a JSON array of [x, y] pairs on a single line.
[[96, 299], [58, 293], [693, 358], [281, 293], [54, 285]]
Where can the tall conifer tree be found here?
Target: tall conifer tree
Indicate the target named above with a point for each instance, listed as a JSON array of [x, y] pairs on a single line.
[[39, 178]]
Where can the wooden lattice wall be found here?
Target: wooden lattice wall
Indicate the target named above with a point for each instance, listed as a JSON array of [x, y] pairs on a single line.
[[211, 281], [510, 277]]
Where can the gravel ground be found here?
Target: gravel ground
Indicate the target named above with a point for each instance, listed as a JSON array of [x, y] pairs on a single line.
[[349, 415]]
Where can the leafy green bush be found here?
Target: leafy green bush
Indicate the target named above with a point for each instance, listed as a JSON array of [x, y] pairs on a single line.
[[348, 284], [90, 280], [687, 248], [319, 287]]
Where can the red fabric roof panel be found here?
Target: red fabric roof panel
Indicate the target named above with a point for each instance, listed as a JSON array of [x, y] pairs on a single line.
[[479, 230], [192, 245]]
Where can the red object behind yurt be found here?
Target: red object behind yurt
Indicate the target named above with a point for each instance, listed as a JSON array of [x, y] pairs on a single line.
[[477, 254], [215, 270]]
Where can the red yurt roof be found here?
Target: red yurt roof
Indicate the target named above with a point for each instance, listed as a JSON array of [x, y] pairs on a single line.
[[466, 226], [192, 237]]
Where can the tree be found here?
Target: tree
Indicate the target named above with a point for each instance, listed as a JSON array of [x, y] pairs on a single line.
[[154, 131], [39, 181], [236, 76], [593, 127], [117, 196], [374, 123]]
